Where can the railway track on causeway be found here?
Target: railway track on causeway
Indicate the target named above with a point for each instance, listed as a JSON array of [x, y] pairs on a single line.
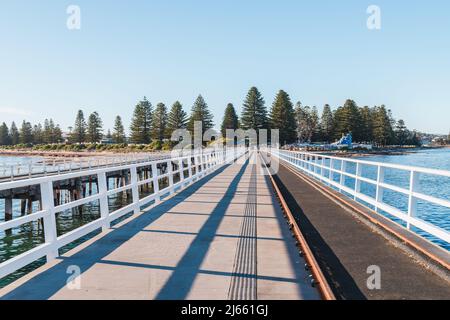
[[317, 277], [341, 240]]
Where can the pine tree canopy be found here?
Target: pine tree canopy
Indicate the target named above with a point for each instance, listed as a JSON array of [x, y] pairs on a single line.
[[159, 122], [282, 117], [230, 119], [200, 112], [5, 139], [254, 113], [140, 129], [382, 126], [94, 128], [348, 119], [401, 132], [177, 119], [366, 124], [327, 124], [79, 130], [374, 125], [26, 133], [118, 135], [14, 134]]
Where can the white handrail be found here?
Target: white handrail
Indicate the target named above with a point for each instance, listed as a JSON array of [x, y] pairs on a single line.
[[212, 160], [315, 165]]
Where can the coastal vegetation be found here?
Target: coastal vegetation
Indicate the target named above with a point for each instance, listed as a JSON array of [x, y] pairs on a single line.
[[151, 128]]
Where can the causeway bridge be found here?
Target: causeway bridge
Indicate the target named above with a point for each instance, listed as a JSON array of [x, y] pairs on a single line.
[[237, 224]]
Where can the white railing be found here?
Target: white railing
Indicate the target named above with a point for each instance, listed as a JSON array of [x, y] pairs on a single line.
[[57, 165], [326, 168], [203, 163]]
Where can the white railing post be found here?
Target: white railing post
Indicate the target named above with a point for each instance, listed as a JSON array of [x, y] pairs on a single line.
[[181, 167], [322, 169], [156, 183], [170, 170], [357, 180], [316, 163], [200, 164], [412, 201], [330, 174], [343, 170], [211, 162], [50, 232], [135, 189], [215, 162], [206, 163], [104, 208], [195, 165], [190, 167], [379, 189]]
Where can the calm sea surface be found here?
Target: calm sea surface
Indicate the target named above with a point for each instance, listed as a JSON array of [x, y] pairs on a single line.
[[25, 237]]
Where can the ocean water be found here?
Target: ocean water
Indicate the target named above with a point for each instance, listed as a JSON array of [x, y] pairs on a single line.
[[13, 160]]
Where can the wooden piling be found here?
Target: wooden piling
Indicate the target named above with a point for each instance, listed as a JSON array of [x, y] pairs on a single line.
[[8, 208], [30, 205], [23, 204]]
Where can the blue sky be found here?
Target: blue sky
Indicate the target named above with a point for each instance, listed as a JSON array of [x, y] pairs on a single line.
[[318, 51]]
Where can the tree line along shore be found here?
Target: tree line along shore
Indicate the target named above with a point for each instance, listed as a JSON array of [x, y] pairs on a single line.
[[151, 127]]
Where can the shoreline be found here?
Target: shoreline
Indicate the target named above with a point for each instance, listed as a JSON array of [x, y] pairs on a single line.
[[381, 152], [337, 153]]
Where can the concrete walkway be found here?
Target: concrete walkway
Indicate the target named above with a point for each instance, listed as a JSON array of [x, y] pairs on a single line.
[[222, 238]]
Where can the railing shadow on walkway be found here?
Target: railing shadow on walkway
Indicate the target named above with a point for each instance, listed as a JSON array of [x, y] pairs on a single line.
[[44, 285], [180, 282]]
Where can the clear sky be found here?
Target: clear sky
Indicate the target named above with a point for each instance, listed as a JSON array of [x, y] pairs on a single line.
[[318, 51]]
